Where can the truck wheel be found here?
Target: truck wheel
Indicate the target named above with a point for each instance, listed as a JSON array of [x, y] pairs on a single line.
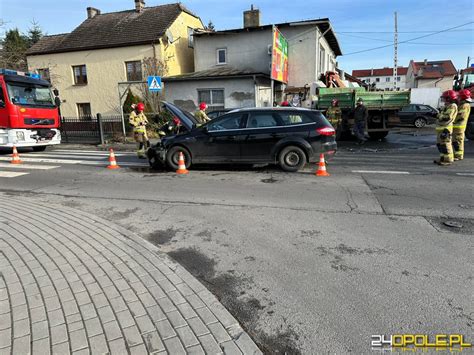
[[41, 148], [419, 122], [292, 159], [172, 157], [378, 135]]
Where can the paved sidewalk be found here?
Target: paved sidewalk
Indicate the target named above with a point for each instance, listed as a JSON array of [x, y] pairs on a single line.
[[73, 283]]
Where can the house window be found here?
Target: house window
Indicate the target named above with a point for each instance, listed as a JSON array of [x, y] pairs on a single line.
[[134, 70], [80, 74], [222, 56], [399, 78], [367, 80], [387, 79], [190, 37], [84, 110], [214, 98], [377, 80], [322, 57], [44, 73]]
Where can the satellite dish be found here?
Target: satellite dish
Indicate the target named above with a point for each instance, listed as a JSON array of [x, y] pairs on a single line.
[[169, 36]]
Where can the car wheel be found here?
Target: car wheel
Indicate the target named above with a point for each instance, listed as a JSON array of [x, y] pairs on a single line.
[[292, 158], [419, 122], [41, 148], [172, 157]]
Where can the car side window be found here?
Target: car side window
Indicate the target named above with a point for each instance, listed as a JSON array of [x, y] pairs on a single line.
[[228, 122], [292, 118], [262, 120], [406, 108], [418, 108]]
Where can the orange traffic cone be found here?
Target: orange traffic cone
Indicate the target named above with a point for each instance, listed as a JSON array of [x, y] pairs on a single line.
[[322, 167], [181, 165], [112, 161], [15, 157]]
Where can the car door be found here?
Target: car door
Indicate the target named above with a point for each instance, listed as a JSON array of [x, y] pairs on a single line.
[[406, 114], [220, 142], [264, 129]]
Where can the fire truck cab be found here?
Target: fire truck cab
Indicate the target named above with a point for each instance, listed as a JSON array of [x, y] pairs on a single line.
[[28, 114]]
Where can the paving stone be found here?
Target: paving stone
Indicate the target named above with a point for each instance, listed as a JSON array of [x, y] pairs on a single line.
[[78, 339], [82, 298], [230, 348], [118, 347], [165, 329], [93, 327], [41, 346], [35, 301], [176, 319], [73, 318], [157, 292], [195, 350], [187, 337], [112, 330], [198, 327], [136, 308], [219, 333], [125, 319], [60, 349], [59, 334], [5, 321], [5, 337], [21, 328], [246, 345], [147, 299], [138, 350], [18, 300], [185, 290], [129, 295], [70, 307], [153, 342], [132, 336], [206, 315], [186, 310], [55, 318], [52, 303], [76, 325], [209, 344], [81, 352], [144, 324], [174, 346], [20, 312], [22, 345], [65, 295], [88, 311], [106, 314], [98, 344], [156, 314], [166, 305], [40, 330], [118, 304]]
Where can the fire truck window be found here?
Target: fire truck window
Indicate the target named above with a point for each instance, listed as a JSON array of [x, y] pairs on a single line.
[[2, 98]]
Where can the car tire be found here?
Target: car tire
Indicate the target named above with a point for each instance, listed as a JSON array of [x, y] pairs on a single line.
[[292, 158], [41, 148], [172, 157], [420, 122]]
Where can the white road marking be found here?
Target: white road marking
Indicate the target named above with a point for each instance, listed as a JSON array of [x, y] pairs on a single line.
[[380, 172], [28, 166], [465, 174], [63, 156], [82, 152], [11, 174], [52, 161]]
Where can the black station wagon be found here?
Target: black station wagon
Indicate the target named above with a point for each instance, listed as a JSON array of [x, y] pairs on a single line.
[[287, 136]]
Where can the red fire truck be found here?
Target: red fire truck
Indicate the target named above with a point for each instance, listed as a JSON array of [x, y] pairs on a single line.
[[28, 114]]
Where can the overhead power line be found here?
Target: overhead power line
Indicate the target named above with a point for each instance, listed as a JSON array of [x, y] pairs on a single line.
[[391, 32], [409, 40], [391, 41]]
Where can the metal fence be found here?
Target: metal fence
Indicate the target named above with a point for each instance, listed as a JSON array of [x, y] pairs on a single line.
[[92, 130]]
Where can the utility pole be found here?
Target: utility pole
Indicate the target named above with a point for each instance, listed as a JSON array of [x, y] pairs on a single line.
[[468, 62], [395, 55]]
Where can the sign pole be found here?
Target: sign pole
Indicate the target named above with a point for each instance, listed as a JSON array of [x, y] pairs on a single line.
[[121, 112]]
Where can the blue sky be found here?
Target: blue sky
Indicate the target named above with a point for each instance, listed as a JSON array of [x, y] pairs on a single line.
[[349, 18]]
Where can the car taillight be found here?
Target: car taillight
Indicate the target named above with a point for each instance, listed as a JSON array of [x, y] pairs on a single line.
[[326, 131]]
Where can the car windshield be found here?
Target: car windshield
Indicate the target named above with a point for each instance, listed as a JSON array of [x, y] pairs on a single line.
[[30, 95]]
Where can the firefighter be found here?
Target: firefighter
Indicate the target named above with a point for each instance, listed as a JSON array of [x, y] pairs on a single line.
[[334, 114], [139, 121], [360, 114], [460, 123], [201, 113], [444, 128]]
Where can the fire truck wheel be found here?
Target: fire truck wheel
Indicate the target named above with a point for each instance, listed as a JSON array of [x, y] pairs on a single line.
[[40, 148]]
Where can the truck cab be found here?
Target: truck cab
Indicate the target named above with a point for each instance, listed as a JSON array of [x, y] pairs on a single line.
[[28, 114]]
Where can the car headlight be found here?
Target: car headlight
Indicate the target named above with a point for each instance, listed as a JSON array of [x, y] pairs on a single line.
[[20, 136]]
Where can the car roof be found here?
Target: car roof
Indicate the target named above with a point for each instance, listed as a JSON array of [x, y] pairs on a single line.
[[284, 108]]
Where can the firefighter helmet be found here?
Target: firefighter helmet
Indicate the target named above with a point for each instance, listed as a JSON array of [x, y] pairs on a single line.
[[285, 104], [141, 107], [464, 94], [202, 106], [335, 102], [450, 95]]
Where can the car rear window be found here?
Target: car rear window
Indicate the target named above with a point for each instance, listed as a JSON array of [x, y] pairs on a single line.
[[292, 118], [262, 120]]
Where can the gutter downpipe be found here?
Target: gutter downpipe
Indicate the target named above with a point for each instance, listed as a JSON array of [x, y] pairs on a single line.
[[255, 90]]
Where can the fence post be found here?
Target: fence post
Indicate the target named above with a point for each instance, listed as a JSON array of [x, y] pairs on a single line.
[[101, 129], [63, 130]]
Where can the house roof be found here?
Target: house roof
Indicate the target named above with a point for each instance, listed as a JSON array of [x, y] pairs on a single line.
[[114, 29], [323, 24], [216, 73], [434, 69], [362, 73]]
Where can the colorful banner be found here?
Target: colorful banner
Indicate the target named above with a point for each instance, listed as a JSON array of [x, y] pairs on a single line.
[[279, 57]]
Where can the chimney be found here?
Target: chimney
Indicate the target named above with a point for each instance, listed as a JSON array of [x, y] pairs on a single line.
[[252, 17], [425, 62], [139, 5], [92, 12]]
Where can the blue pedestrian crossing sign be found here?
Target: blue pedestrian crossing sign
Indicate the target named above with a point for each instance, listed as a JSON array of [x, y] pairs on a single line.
[[154, 83]]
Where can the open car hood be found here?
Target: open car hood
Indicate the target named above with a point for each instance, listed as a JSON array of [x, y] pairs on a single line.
[[186, 118]]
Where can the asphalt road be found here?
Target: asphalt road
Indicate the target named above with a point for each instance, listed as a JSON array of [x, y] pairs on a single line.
[[306, 264]]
